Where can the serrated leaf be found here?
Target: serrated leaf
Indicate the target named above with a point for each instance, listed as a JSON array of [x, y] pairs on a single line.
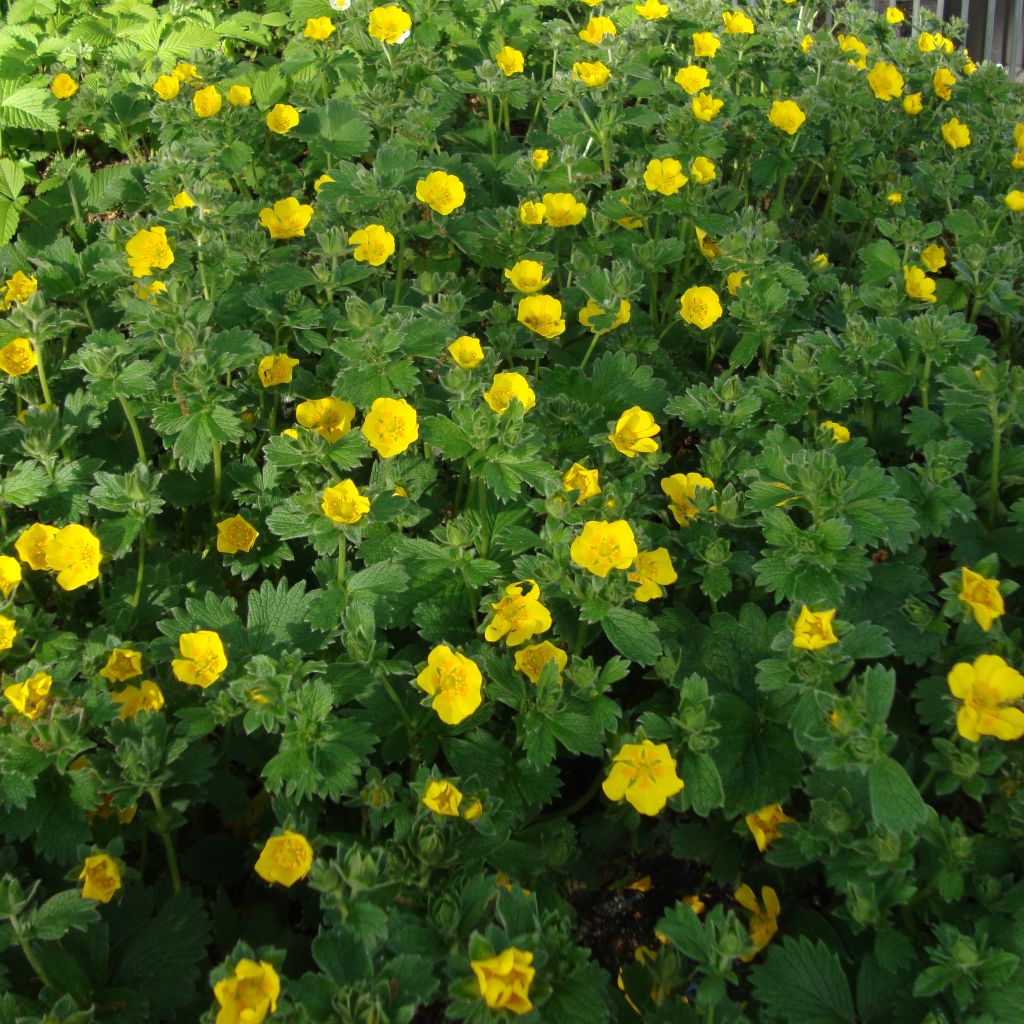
[[896, 803], [632, 635], [276, 615], [60, 914], [24, 484], [803, 980]]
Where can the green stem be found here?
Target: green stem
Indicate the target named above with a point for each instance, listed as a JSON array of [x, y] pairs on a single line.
[[141, 571], [342, 552], [217, 470], [581, 639], [134, 426], [37, 968], [490, 128], [924, 381], [165, 836], [589, 352], [993, 502], [41, 371], [399, 267]]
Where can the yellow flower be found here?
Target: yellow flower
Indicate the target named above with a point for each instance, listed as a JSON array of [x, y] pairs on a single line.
[[342, 503], [737, 23], [63, 86], [30, 697], [207, 102], [374, 244], [592, 310], [763, 923], [510, 60], [591, 73], [531, 660], [644, 774], [182, 201], [442, 192], [148, 292], [912, 104], [813, 630], [603, 546], [735, 280], [705, 44], [276, 369], [942, 83], [654, 571], [806, 43], [288, 218], [665, 176], [840, 434], [32, 543], [147, 249], [597, 28], [539, 158], [969, 66], [473, 810], [1014, 200], [134, 700], [918, 284], [630, 223], [933, 257], [122, 664], [518, 615], [988, 688], [504, 980], [707, 245], [247, 996], [20, 288], [634, 433], [102, 878], [282, 118], [454, 681], [541, 314], [389, 24], [563, 210], [894, 198], [73, 552], [531, 213], [886, 81], [894, 15], [185, 72], [764, 824], [507, 386], [706, 107], [318, 183], [10, 574], [18, 357], [318, 29], [527, 276], [285, 859], [390, 426], [579, 478], [651, 10], [331, 418], [442, 798], [8, 633], [202, 658], [239, 95], [166, 87], [851, 44], [1018, 134], [234, 535], [695, 903], [681, 489], [957, 135], [786, 116], [982, 596], [703, 171], [692, 79], [700, 306], [466, 351]]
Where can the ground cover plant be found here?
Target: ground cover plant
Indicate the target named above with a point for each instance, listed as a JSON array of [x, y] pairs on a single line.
[[508, 511]]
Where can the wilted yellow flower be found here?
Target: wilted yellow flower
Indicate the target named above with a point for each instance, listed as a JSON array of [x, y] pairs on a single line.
[[374, 244], [933, 257], [10, 574], [665, 176], [579, 478], [651, 10], [73, 552], [603, 546], [969, 67], [531, 213], [707, 245], [763, 923], [912, 104], [596, 29], [705, 44], [563, 209], [894, 15], [443, 798], [63, 86], [702, 170], [234, 535], [918, 284], [331, 418], [592, 310], [692, 79], [532, 659], [519, 615], [644, 774], [31, 696], [653, 572], [942, 83], [288, 218], [282, 118], [734, 281], [982, 596], [539, 158], [634, 433], [102, 878], [342, 503], [840, 434], [239, 95], [989, 688], [18, 357], [541, 314], [681, 489], [390, 24], [32, 543], [202, 658], [318, 29], [527, 276], [147, 249], [122, 664], [285, 859], [454, 681], [390, 426], [276, 369], [507, 386], [886, 81], [700, 306], [135, 700], [592, 74], [510, 60], [813, 630], [786, 116], [764, 824], [166, 87], [706, 107], [207, 102], [442, 192], [247, 996]]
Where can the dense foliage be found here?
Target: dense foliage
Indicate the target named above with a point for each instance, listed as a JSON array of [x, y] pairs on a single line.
[[508, 511]]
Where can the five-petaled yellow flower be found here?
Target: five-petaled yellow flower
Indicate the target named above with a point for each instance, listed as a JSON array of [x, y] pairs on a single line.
[[787, 116], [342, 503], [563, 209], [122, 664], [239, 95], [592, 74], [989, 690], [330, 417], [681, 489], [539, 159], [288, 218], [202, 658], [706, 107], [282, 118], [596, 29], [705, 44], [504, 980], [737, 23], [508, 386], [703, 171], [541, 314], [73, 552], [764, 824], [840, 434], [102, 878], [166, 87], [276, 369], [579, 478], [653, 572], [665, 176], [466, 351], [20, 288], [441, 191], [519, 615], [603, 546], [532, 659], [894, 16], [956, 134], [764, 923], [285, 859], [886, 81], [442, 798], [692, 79], [249, 994], [592, 311], [10, 574], [700, 306], [135, 700], [18, 357], [813, 631], [207, 102], [454, 682], [389, 24], [644, 774], [318, 29], [634, 433], [918, 285], [31, 696], [912, 104], [181, 201], [651, 10], [531, 213], [942, 83], [1014, 200], [234, 535], [63, 86], [147, 249], [391, 426], [933, 257], [374, 244], [510, 60], [527, 276], [982, 596]]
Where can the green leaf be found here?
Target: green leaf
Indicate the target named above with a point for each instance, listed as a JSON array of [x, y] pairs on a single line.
[[277, 616], [632, 635], [24, 485], [895, 802], [10, 217], [28, 107], [879, 689], [60, 914], [703, 782], [338, 128], [881, 263], [804, 981], [12, 179], [450, 440], [685, 931]]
